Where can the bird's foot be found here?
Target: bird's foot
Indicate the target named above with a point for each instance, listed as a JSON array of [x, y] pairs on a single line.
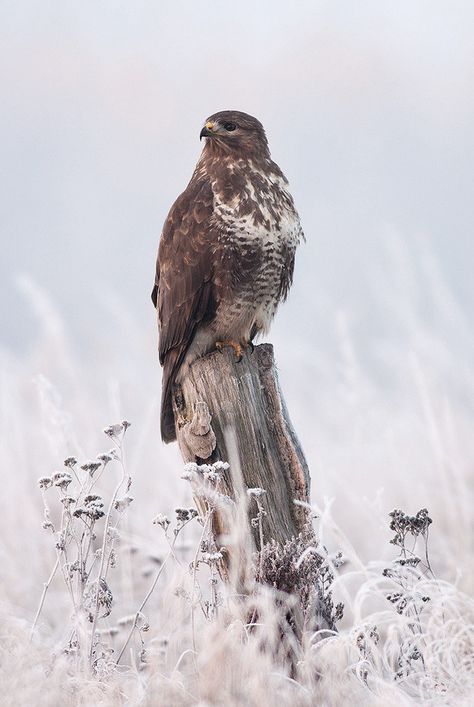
[[231, 344]]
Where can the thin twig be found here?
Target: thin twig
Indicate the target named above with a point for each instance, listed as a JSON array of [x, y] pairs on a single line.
[[43, 596], [102, 557], [142, 606]]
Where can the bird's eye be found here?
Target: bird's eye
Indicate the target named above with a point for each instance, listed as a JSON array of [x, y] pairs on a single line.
[[229, 127]]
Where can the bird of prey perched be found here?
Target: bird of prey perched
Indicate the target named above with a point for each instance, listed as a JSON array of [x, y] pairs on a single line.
[[226, 254]]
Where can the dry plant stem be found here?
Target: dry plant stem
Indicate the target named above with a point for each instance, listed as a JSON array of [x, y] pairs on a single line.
[[67, 581], [214, 592], [172, 554], [171, 544], [104, 543], [43, 596], [142, 606], [97, 477], [204, 531]]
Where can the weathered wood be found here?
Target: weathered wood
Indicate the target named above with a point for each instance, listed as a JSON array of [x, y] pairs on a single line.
[[234, 411], [221, 394]]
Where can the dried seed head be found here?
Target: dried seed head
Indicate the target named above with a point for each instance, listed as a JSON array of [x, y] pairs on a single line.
[[61, 542], [92, 508], [114, 430], [220, 466], [72, 567], [67, 501], [105, 457], [162, 520], [337, 560], [182, 514], [91, 466], [402, 524], [213, 472], [45, 482], [93, 498], [62, 479], [70, 462], [211, 557], [210, 472], [299, 566], [190, 468], [256, 492]]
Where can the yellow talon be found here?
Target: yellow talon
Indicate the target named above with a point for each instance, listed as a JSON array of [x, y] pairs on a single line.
[[231, 344]]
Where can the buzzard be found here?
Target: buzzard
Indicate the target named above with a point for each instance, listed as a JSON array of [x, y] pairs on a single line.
[[226, 254]]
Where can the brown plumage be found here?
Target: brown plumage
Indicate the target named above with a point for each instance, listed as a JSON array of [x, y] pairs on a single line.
[[226, 253]]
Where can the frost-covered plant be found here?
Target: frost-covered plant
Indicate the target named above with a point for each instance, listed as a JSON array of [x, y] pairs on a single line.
[[297, 571], [300, 567], [234, 646], [407, 572], [138, 622], [84, 528], [409, 577]]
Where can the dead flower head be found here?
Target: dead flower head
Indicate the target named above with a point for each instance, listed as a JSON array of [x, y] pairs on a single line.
[[117, 429], [93, 508], [62, 479], [45, 482], [105, 457], [70, 462], [162, 520], [91, 466]]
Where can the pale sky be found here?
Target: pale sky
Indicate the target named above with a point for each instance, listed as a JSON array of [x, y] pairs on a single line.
[[368, 108]]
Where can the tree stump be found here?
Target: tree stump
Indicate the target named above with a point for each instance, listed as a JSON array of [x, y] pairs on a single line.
[[222, 395], [234, 411]]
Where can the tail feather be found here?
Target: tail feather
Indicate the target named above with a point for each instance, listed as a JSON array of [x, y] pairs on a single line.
[[167, 421]]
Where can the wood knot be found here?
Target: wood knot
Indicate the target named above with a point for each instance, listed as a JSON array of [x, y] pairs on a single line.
[[197, 438]]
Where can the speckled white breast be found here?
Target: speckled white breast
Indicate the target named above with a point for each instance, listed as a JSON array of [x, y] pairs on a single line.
[[277, 234]]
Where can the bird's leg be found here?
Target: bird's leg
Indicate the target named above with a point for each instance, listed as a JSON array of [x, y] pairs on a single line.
[[232, 344]]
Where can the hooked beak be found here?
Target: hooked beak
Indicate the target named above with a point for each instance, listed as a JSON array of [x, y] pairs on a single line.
[[207, 130]]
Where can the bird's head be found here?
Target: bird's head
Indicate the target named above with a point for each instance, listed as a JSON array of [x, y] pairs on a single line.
[[231, 131]]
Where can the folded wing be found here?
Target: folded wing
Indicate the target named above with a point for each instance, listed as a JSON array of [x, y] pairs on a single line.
[[184, 293]]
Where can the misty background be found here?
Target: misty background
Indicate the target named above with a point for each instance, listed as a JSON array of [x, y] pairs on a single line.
[[368, 109]]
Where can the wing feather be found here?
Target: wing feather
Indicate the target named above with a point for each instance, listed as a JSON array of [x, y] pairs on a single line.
[[184, 291]]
